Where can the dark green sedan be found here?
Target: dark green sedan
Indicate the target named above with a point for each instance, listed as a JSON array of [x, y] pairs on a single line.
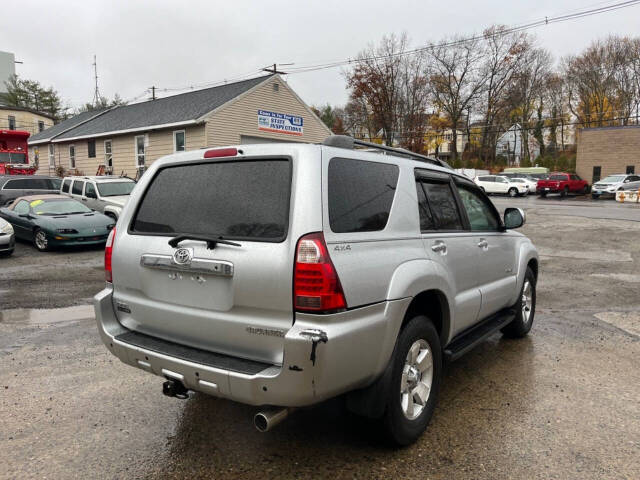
[[54, 220]]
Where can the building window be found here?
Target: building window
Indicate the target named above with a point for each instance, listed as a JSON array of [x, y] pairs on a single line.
[[631, 169], [52, 157], [91, 149], [108, 156], [72, 156], [141, 150], [597, 171], [12, 122], [276, 87], [179, 141], [40, 125]]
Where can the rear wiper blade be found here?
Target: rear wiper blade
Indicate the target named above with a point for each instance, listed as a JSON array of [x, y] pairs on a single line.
[[212, 240]]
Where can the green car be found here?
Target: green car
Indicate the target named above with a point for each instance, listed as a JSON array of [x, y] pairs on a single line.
[[54, 220]]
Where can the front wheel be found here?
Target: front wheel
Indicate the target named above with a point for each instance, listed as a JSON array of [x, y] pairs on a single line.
[[525, 308], [564, 192], [40, 240], [513, 192], [415, 381]]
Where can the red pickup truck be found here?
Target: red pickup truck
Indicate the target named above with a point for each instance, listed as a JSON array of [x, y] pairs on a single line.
[[562, 183]]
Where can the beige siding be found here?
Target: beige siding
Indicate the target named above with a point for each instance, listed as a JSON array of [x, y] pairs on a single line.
[[612, 149], [159, 144], [240, 116], [27, 121]]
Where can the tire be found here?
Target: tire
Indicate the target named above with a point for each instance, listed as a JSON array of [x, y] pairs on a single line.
[[525, 309], [595, 197], [513, 192], [40, 240], [564, 192], [408, 414], [543, 194], [585, 190]]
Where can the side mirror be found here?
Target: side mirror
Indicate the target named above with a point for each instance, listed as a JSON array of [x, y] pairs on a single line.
[[514, 218], [626, 180]]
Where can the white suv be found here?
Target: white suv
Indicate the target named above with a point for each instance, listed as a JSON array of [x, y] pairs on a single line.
[[106, 194], [500, 184], [281, 275]]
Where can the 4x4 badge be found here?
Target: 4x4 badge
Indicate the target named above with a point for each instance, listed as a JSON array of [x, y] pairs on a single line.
[[182, 256]]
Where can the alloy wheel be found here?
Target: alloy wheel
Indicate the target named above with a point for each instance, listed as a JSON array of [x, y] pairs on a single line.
[[417, 377]]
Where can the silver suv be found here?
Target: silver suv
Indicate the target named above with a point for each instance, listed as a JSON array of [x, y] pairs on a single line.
[[106, 194], [285, 274]]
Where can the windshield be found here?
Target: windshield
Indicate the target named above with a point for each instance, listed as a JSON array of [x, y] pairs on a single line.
[[613, 179], [112, 189], [58, 207], [6, 157]]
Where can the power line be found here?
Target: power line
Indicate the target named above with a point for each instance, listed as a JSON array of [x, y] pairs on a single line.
[[518, 28]]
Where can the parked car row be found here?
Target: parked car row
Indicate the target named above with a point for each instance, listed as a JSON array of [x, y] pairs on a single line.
[[51, 212]]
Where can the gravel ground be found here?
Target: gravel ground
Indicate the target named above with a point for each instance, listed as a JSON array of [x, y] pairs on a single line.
[[561, 403]]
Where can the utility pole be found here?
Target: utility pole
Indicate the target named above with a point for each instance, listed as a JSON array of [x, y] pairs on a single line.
[[274, 69], [96, 95]]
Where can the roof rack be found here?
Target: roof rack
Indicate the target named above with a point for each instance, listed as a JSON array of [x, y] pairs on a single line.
[[345, 141]]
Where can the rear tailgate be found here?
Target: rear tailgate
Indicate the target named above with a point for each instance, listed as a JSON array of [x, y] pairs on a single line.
[[229, 299]]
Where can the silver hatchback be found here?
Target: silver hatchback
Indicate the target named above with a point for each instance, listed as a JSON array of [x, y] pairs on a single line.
[[281, 275]]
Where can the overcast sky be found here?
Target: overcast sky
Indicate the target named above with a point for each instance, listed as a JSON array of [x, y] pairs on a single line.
[[173, 44]]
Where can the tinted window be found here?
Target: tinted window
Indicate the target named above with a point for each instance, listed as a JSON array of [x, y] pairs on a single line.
[[443, 205], [482, 217], [55, 183], [90, 190], [426, 218], [360, 194], [65, 185], [486, 179], [17, 184], [112, 189], [39, 184], [241, 200], [574, 177], [77, 187], [558, 177]]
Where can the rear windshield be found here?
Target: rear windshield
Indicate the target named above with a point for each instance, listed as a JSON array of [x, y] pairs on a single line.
[[113, 189], [11, 157], [557, 177], [238, 200]]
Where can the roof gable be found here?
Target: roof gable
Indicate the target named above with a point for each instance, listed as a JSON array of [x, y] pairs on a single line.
[[177, 109]]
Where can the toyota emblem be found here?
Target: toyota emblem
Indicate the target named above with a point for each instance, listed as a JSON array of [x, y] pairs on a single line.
[[182, 256]]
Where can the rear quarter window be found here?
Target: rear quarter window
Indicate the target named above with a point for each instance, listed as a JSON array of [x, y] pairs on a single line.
[[65, 185], [238, 200], [360, 194], [76, 189]]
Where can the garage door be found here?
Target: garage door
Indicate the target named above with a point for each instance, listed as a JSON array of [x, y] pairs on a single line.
[[244, 139]]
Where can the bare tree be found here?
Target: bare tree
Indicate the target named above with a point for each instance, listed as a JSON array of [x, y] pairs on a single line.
[[456, 80], [376, 81], [502, 56], [413, 103], [526, 91]]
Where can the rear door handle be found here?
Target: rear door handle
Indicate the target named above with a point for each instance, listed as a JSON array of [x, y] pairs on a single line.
[[483, 243], [439, 247]]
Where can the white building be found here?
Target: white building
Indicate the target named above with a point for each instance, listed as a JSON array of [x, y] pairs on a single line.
[[511, 146], [440, 144], [7, 69]]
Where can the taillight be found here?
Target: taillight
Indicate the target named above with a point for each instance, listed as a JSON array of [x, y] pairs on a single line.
[[108, 251], [221, 152], [316, 286]]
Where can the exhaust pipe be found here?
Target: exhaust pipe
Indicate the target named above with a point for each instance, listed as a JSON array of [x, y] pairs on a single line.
[[266, 420]]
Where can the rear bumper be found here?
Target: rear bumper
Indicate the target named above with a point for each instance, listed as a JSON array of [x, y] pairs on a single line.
[[324, 356]]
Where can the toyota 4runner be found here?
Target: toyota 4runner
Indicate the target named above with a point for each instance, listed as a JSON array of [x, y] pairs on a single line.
[[281, 275]]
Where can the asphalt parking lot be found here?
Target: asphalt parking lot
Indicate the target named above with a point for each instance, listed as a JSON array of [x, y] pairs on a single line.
[[561, 403]]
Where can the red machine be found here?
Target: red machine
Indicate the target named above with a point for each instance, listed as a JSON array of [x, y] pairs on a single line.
[[14, 155]]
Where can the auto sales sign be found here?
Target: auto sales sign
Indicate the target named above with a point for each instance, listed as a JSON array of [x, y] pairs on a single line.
[[279, 123]]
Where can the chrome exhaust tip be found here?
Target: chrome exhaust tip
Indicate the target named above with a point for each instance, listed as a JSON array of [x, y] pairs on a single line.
[[267, 419]]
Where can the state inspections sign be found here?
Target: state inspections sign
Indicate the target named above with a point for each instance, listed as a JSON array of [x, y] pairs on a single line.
[[279, 123]]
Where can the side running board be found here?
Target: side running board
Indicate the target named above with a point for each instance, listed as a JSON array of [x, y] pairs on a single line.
[[469, 339]]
